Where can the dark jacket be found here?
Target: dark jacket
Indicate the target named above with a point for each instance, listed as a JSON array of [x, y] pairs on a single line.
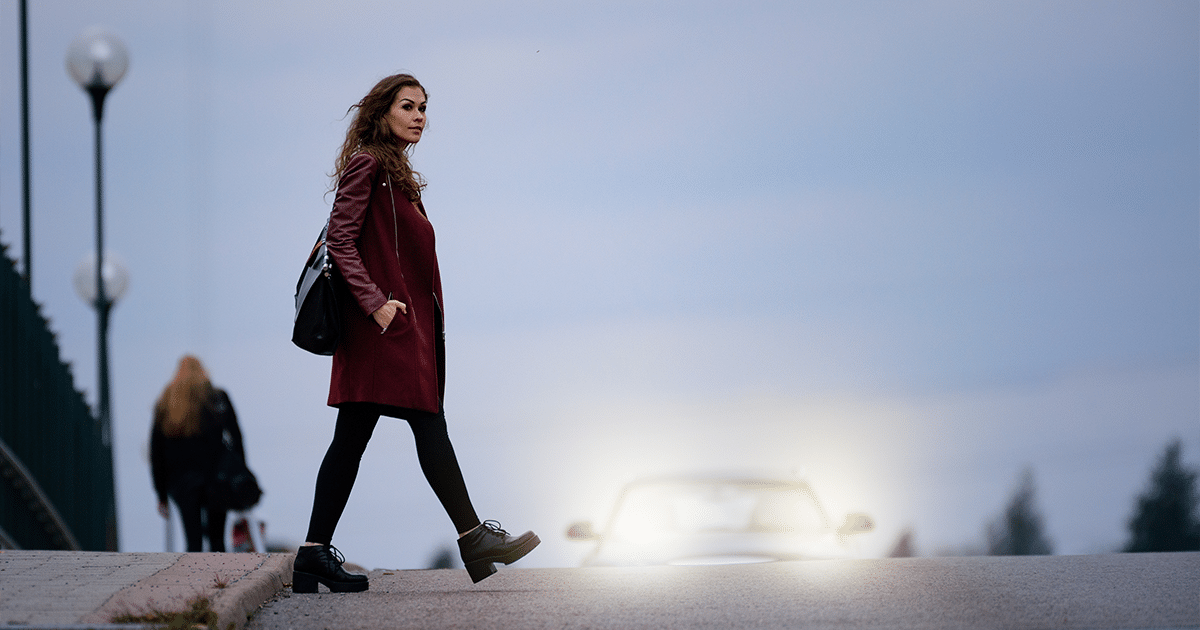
[[383, 245], [184, 464]]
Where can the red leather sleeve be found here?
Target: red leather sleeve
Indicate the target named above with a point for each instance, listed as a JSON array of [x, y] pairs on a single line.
[[345, 227]]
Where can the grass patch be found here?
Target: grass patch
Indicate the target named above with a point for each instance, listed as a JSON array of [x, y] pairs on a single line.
[[199, 613]]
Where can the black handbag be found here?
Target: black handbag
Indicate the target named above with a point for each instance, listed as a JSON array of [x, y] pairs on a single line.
[[237, 487], [232, 485], [318, 325]]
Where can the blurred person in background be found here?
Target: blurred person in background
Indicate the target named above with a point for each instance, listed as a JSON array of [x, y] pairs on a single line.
[[390, 360], [194, 426]]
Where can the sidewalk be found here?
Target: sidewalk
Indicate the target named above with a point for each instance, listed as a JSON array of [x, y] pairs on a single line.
[[73, 590]]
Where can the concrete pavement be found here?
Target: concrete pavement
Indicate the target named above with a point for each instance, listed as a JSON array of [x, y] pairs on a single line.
[[1131, 591], [75, 590]]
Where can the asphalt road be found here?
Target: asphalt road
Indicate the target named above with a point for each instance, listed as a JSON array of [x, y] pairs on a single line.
[[1141, 591]]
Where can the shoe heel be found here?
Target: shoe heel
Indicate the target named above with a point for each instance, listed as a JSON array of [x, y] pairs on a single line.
[[303, 583], [480, 570]]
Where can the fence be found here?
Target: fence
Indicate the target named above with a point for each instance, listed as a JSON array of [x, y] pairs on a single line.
[[56, 471]]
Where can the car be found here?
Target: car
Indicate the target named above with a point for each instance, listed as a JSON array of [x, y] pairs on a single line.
[[718, 519]]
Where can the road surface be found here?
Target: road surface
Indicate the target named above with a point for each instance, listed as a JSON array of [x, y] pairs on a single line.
[[1140, 591]]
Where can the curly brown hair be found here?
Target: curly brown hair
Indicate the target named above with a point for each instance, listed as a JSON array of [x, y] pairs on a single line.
[[369, 132]]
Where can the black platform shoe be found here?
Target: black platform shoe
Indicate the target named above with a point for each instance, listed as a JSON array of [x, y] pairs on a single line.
[[488, 543], [323, 563]]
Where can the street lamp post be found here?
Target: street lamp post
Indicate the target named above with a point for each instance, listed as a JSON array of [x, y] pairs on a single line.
[[97, 60]]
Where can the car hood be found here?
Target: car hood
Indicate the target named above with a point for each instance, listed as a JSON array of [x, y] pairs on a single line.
[[715, 548]]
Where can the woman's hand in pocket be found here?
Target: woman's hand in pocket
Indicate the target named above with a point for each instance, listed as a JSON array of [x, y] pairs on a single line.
[[384, 314]]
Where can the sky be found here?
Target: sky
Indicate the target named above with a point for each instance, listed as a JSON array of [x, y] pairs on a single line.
[[906, 250]]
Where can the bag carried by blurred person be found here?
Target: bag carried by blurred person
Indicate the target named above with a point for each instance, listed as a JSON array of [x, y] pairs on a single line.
[[234, 483], [317, 326]]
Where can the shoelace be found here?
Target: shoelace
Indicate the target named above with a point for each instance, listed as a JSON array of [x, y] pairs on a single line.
[[337, 555], [494, 527]]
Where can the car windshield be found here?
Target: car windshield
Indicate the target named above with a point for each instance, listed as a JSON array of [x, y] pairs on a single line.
[[667, 508]]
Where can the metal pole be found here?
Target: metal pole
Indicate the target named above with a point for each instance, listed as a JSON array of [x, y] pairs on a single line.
[[170, 533], [103, 306], [102, 302], [27, 227]]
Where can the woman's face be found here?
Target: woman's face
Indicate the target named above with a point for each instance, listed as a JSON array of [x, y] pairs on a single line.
[[406, 118]]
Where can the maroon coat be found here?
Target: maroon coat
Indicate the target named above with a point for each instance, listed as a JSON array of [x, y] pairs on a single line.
[[383, 249]]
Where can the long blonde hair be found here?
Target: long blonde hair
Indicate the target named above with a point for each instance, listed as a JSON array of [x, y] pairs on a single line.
[[179, 411]]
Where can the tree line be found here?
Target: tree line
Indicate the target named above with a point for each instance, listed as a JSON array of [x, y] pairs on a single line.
[[1164, 518]]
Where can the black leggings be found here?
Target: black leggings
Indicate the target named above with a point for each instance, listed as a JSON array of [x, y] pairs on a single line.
[[201, 519], [335, 479]]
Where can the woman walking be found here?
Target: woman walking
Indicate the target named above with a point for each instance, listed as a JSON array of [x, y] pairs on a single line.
[[390, 360], [192, 421]]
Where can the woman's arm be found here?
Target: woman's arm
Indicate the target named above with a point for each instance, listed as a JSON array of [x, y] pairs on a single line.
[[227, 421], [345, 227], [158, 468]]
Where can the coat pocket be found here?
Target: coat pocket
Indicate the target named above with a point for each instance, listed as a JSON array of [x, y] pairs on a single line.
[[402, 321]]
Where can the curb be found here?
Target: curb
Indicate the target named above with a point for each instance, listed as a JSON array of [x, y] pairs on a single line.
[[235, 584], [236, 603]]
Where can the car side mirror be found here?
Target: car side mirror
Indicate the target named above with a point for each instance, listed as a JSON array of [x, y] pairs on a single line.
[[856, 523], [582, 531]]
